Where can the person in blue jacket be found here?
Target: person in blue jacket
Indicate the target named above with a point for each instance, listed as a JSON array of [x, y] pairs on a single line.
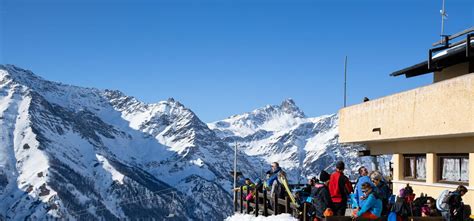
[[372, 207], [273, 182], [358, 195]]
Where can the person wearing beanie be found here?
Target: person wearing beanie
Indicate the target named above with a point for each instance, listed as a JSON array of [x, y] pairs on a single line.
[[339, 188], [321, 197], [306, 191], [324, 177], [401, 208]]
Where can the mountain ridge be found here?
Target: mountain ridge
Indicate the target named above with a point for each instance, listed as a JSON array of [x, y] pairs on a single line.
[[81, 153], [75, 130]]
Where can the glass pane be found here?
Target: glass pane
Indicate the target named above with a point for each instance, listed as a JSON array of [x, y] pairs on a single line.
[[465, 170], [421, 168], [451, 170], [412, 167], [408, 168]]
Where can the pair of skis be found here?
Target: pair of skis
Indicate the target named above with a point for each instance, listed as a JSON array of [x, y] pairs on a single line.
[[284, 181]]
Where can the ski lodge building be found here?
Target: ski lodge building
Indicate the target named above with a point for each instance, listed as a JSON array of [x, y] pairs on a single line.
[[430, 129]]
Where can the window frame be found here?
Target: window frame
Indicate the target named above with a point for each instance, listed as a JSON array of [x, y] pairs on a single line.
[[452, 156], [414, 177]]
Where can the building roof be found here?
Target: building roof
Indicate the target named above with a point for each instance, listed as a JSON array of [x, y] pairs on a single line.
[[442, 57]]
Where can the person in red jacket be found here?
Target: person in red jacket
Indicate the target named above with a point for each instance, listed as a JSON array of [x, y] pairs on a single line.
[[339, 188]]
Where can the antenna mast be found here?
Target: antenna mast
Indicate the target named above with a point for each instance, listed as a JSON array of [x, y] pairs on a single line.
[[345, 82], [444, 16], [235, 175]]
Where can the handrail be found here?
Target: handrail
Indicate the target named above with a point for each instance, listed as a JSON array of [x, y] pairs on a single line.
[[263, 201], [269, 205], [451, 37]]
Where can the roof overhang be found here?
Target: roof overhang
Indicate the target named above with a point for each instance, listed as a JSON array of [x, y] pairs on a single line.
[[446, 55], [450, 57]]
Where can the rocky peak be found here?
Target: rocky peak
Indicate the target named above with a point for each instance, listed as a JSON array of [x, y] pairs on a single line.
[[175, 104], [112, 94], [19, 75], [289, 106]]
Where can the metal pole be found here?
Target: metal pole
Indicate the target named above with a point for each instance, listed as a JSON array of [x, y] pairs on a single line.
[[345, 82], [235, 174], [257, 199], [265, 203], [443, 17], [241, 199]]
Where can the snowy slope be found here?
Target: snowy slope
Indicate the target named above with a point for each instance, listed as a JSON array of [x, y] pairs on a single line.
[[201, 160]]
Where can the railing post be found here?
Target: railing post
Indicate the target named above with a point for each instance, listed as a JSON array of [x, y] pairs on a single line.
[[247, 199], [265, 205], [304, 212], [430, 59], [256, 202], [287, 205], [241, 199], [235, 201], [275, 204], [468, 45]]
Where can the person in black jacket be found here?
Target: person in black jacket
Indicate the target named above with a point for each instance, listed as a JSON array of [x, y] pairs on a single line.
[[456, 206], [401, 207], [306, 191], [382, 189], [321, 197], [310, 185]]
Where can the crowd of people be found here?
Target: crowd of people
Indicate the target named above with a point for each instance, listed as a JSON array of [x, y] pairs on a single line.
[[369, 197]]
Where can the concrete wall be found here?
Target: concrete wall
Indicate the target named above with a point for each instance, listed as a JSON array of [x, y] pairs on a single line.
[[443, 109], [439, 145]]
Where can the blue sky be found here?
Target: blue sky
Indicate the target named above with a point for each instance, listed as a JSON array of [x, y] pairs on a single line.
[[226, 57]]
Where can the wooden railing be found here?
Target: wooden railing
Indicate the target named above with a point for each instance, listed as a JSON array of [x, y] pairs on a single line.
[[263, 202]]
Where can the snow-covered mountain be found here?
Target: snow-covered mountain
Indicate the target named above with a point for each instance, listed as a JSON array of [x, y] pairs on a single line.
[[87, 154], [303, 146], [83, 153]]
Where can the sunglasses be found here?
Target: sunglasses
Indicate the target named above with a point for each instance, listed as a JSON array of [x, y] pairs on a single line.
[[365, 191]]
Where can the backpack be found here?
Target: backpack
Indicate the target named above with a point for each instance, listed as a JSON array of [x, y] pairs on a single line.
[[317, 204], [401, 208], [442, 203]]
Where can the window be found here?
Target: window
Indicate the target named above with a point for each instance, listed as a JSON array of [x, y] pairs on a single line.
[[415, 167], [454, 168]]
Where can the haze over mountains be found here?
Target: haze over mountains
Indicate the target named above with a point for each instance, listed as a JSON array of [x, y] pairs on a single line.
[[83, 153]]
